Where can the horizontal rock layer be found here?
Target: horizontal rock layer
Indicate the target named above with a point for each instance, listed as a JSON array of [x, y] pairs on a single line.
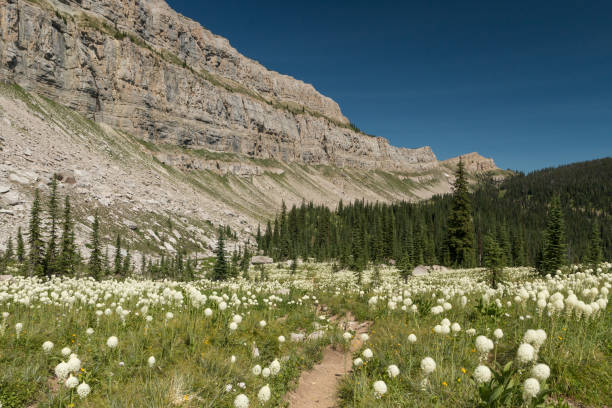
[[142, 68]]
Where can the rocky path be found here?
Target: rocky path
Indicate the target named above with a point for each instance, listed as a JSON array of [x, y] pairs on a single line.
[[317, 388]]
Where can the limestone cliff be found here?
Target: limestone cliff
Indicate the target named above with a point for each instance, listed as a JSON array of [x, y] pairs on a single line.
[[140, 67]]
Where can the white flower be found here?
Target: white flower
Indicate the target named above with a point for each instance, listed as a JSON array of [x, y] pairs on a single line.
[[482, 374], [525, 353], [62, 370], [256, 370], [347, 336], [357, 362], [380, 388], [232, 359], [265, 372], [89, 332], [412, 338], [71, 382], [484, 344], [428, 365], [18, 328], [233, 326], [264, 393], [531, 388], [229, 387], [47, 346], [393, 371], [169, 316], [74, 364], [275, 367], [262, 324], [223, 306], [151, 361], [470, 332], [208, 312], [364, 337], [367, 353], [112, 342], [237, 318], [83, 390], [498, 334], [66, 351], [281, 339], [241, 401], [455, 327], [541, 372]]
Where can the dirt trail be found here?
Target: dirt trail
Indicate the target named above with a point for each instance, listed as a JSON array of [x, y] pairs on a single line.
[[318, 387]]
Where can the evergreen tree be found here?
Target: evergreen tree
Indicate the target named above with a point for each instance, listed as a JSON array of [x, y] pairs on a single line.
[[66, 255], [460, 222], [118, 264], [405, 266], [554, 243], [594, 256], [220, 270], [95, 261], [126, 269], [294, 265], [20, 247], [36, 256], [51, 264], [492, 258]]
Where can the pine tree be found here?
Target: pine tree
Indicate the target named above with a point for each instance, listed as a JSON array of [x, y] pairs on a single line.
[[95, 261], [220, 271], [118, 265], [66, 256], [36, 256], [126, 269], [492, 258], [51, 265], [20, 247], [460, 222], [10, 253], [294, 265], [406, 266], [595, 253], [554, 243]]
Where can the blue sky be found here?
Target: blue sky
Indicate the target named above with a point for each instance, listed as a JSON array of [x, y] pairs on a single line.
[[527, 83]]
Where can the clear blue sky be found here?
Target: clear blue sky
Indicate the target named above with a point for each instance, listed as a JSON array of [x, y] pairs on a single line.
[[528, 83]]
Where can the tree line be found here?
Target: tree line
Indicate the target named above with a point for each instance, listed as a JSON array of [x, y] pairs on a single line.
[[544, 219]]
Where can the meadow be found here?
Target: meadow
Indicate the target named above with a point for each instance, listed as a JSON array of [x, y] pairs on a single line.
[[445, 339]]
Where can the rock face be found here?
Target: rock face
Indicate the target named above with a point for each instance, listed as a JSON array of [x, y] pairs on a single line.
[[140, 67], [474, 163]]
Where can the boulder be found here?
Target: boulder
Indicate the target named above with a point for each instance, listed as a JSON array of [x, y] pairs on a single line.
[[4, 188], [261, 260], [420, 271], [130, 224]]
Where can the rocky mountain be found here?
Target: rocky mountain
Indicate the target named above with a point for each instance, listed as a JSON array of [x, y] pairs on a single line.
[[146, 114]]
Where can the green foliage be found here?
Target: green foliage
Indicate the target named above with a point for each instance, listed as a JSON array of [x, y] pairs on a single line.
[[15, 394], [220, 270], [460, 222], [554, 255], [95, 260], [36, 256]]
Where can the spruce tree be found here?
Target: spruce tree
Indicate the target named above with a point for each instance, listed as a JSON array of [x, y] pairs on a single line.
[[10, 253], [95, 259], [294, 265], [66, 255], [20, 247], [460, 222], [118, 265], [405, 266], [554, 243], [492, 258], [126, 269], [220, 271], [595, 255], [36, 256], [51, 265]]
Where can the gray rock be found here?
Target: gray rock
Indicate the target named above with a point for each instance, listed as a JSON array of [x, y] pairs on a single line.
[[12, 198], [4, 188], [130, 224], [21, 179], [261, 260], [420, 271]]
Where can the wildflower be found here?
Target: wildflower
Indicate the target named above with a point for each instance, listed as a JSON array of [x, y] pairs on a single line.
[[541, 372], [74, 364], [264, 393], [112, 342], [393, 371], [71, 382], [380, 388], [263, 324], [275, 367], [169, 316], [83, 390], [265, 372], [281, 339], [364, 337], [47, 346], [237, 318], [232, 359], [66, 351], [498, 334], [233, 326], [62, 370], [525, 353], [455, 327], [229, 388], [412, 338], [241, 401], [89, 331], [208, 312], [256, 370], [482, 374], [151, 361], [367, 353], [357, 362], [347, 336], [18, 328], [428, 365], [484, 344], [531, 388]]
